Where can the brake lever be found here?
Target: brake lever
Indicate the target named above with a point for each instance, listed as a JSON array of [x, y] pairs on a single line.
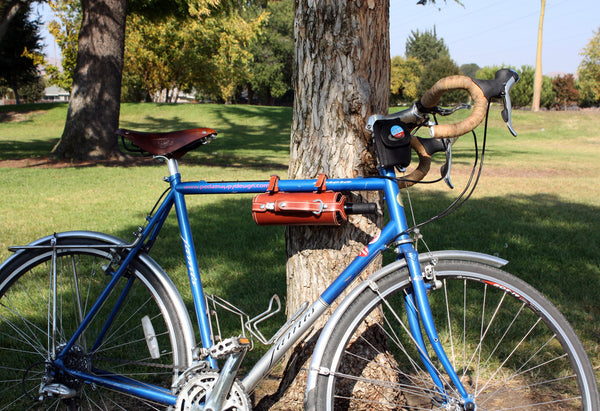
[[447, 167], [507, 111]]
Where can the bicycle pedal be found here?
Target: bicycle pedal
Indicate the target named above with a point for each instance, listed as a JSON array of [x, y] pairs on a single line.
[[225, 348]]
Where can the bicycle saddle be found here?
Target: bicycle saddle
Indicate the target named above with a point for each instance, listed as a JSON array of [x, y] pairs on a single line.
[[172, 144]]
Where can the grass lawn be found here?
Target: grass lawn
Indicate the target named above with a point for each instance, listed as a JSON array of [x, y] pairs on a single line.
[[537, 204]]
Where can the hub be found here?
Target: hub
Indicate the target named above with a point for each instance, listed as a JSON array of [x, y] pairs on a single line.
[[57, 383]]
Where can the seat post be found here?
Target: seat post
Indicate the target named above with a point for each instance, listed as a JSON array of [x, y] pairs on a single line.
[[173, 166]]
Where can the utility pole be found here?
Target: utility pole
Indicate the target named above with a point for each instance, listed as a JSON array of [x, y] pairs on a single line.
[[537, 80]]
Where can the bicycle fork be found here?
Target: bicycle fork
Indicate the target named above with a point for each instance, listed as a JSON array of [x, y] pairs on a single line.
[[419, 312]]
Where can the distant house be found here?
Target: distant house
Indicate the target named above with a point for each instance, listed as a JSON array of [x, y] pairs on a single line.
[[55, 94]]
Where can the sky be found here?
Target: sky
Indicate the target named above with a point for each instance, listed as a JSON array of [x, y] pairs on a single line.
[[491, 32], [497, 32]]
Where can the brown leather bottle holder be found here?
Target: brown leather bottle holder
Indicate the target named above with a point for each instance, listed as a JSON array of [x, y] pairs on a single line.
[[321, 207]]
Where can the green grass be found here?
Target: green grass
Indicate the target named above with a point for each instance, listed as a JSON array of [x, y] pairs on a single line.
[[537, 204]]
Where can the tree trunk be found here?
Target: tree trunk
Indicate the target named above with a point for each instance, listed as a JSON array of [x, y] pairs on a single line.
[[538, 79], [15, 88], [341, 78], [93, 114], [13, 10]]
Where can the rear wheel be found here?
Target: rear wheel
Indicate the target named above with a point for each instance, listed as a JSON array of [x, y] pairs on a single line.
[[29, 308], [509, 345]]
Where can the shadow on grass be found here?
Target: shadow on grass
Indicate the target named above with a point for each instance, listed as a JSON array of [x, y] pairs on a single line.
[[12, 150], [248, 136], [549, 243]]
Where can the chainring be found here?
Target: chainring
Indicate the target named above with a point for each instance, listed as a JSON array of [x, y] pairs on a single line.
[[193, 392]]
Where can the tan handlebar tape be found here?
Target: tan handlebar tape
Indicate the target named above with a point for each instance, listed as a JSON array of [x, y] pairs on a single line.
[[422, 169], [433, 95]]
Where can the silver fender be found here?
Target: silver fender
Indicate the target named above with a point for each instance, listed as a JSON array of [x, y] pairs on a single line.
[[172, 293], [332, 323]]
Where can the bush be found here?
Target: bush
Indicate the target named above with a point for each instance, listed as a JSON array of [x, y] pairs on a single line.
[[565, 90], [404, 79]]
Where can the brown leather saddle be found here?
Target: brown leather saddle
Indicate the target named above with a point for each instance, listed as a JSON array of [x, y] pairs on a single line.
[[172, 144]]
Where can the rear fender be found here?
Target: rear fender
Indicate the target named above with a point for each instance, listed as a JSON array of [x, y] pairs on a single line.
[[145, 259]]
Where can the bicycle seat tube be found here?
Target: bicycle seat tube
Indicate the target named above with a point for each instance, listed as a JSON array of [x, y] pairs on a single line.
[[191, 261]]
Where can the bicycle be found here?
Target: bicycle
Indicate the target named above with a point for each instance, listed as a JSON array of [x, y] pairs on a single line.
[[88, 320]]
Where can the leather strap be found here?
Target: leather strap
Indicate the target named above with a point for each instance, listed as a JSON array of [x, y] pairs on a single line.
[[273, 184], [320, 184]]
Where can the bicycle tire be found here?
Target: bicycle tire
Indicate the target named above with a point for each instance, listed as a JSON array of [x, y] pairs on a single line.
[[509, 345], [25, 324]]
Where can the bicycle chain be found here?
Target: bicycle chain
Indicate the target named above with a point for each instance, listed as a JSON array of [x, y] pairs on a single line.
[[142, 363]]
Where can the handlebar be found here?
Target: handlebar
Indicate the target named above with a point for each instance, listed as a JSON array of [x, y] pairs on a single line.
[[392, 145], [433, 95]]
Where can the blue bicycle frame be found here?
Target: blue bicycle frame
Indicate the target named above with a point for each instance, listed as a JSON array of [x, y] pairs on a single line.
[[394, 234]]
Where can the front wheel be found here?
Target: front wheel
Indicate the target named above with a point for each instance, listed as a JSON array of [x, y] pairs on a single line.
[[509, 345], [39, 312]]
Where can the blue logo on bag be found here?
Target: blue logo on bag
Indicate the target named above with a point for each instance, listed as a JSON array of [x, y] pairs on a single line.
[[397, 131]]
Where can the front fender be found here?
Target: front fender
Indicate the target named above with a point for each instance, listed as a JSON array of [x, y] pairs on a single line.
[[332, 323]]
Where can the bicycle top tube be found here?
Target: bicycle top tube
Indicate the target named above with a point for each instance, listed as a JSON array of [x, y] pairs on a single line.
[[238, 187]]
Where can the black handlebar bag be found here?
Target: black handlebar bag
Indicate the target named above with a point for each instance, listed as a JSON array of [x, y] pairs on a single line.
[[392, 143]]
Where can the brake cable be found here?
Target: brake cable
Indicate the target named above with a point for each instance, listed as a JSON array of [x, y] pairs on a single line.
[[468, 190]]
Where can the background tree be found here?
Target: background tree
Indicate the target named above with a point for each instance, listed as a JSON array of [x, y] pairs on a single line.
[[565, 90], [9, 9], [404, 79], [65, 30], [538, 78], [161, 56], [233, 56], [209, 55], [93, 113], [21, 51], [435, 70], [470, 70], [273, 55], [33, 91], [589, 72], [426, 46]]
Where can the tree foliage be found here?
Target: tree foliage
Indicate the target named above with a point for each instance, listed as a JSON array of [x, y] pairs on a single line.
[[208, 53], [470, 70], [21, 51], [426, 46], [271, 68], [589, 72], [404, 79], [163, 56], [65, 30]]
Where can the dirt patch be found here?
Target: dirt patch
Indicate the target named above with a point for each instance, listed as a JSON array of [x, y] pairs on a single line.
[[49, 162], [18, 116]]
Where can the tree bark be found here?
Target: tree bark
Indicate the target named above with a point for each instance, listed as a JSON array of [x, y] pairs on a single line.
[[93, 114], [342, 68]]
